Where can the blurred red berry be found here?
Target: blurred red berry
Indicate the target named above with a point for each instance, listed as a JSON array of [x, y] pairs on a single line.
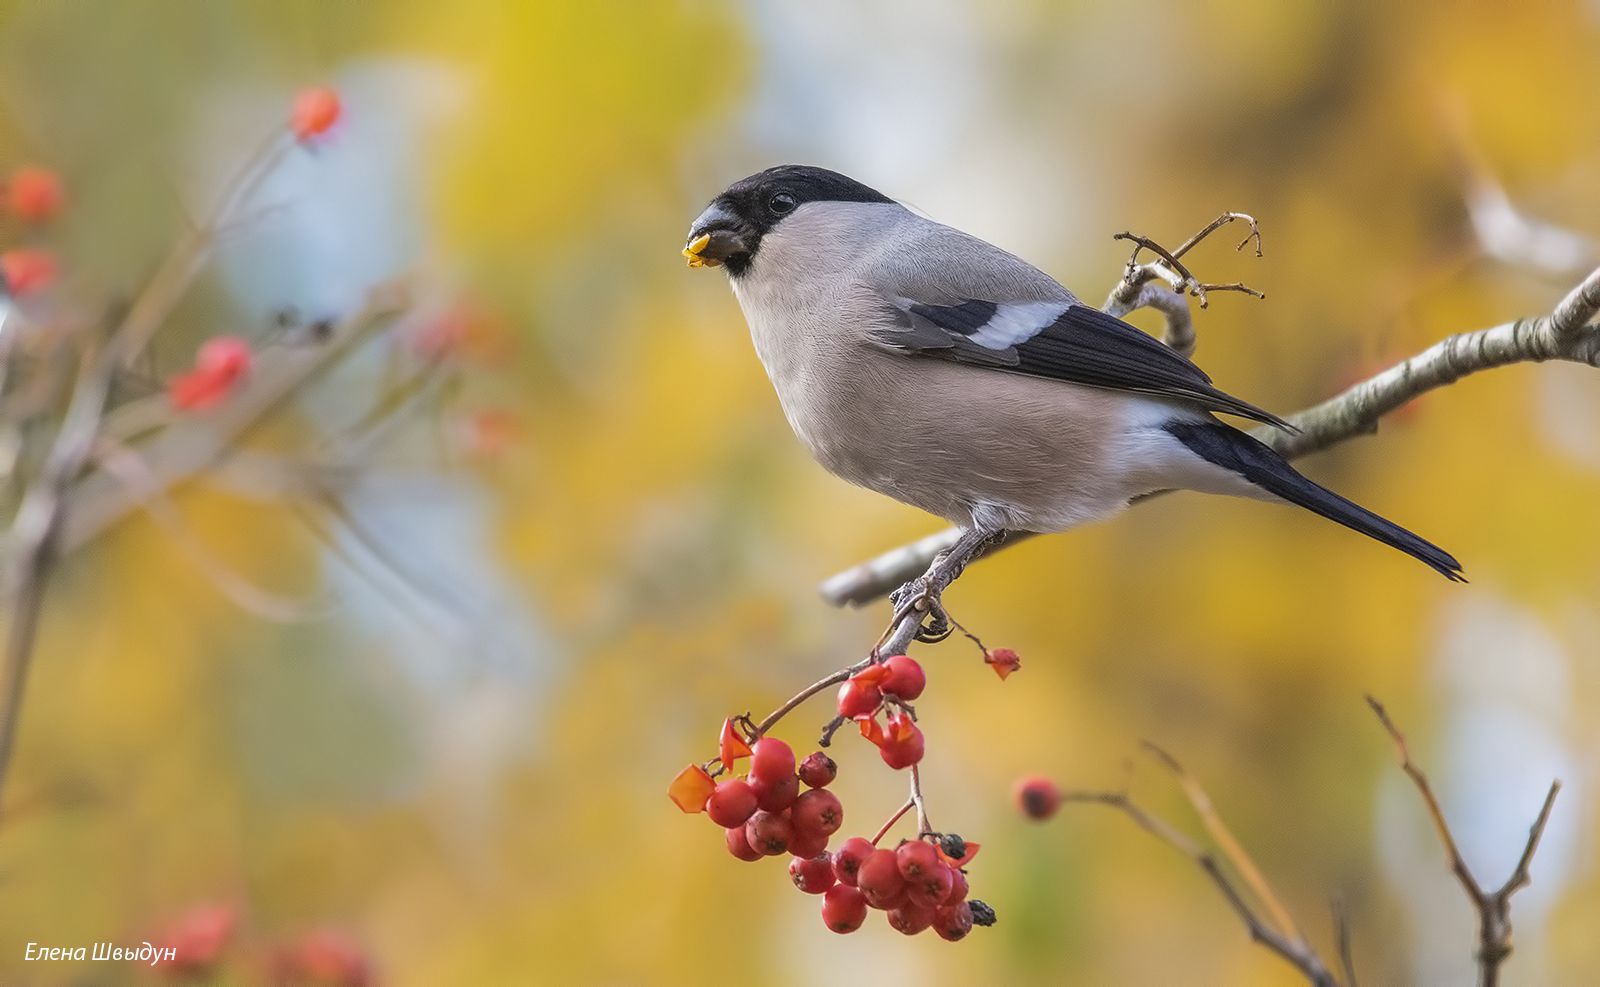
[[218, 367], [871, 729], [902, 744], [847, 859], [844, 908], [807, 844], [958, 887], [776, 795], [1037, 797], [227, 357], [769, 833], [818, 811], [27, 271], [690, 789], [771, 759], [731, 745], [915, 858], [34, 195], [879, 879], [1004, 661], [817, 770], [198, 936], [858, 698], [953, 922], [314, 114], [813, 875], [910, 918], [324, 957], [906, 679], [739, 844], [732, 803]]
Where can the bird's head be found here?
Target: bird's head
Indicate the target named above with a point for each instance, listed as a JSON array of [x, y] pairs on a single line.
[[729, 231]]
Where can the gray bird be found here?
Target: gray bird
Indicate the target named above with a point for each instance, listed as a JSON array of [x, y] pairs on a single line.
[[935, 368]]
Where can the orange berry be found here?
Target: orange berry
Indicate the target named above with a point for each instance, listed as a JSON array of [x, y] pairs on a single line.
[[315, 112], [35, 194], [26, 271]]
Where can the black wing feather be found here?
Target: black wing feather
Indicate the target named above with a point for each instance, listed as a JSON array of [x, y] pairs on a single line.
[[1083, 346]]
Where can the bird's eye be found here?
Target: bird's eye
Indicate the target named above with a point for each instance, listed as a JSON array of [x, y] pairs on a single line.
[[781, 203]]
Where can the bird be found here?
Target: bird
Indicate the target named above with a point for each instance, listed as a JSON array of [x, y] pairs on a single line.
[[930, 366]]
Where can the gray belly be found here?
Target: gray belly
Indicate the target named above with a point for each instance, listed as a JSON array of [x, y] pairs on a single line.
[[950, 439]]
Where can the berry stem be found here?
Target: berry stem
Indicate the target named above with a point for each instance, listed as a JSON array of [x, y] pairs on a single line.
[[889, 823], [913, 801], [924, 828]]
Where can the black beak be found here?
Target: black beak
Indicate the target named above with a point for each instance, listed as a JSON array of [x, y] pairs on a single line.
[[714, 237]]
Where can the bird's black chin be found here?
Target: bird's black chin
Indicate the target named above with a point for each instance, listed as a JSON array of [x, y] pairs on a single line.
[[737, 263]]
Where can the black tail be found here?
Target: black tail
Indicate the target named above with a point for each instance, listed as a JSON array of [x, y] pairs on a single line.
[[1231, 449]]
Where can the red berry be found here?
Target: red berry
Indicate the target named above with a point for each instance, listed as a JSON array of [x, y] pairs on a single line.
[[858, 699], [731, 803], [879, 879], [915, 858], [818, 811], [806, 844], [958, 887], [813, 875], [25, 271], [35, 194], [1037, 797], [847, 859], [817, 770], [777, 795], [771, 761], [953, 922], [739, 844], [930, 888], [910, 919], [906, 679], [315, 113], [769, 833], [225, 357], [843, 908], [903, 744]]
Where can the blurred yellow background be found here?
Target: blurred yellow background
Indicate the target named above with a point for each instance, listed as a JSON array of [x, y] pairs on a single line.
[[460, 769]]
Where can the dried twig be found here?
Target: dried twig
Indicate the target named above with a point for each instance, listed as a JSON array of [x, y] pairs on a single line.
[[1227, 843], [1493, 907], [1286, 943]]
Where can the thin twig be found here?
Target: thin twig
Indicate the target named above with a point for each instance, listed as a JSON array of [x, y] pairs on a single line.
[[1225, 840], [1494, 908], [1296, 951], [1341, 936]]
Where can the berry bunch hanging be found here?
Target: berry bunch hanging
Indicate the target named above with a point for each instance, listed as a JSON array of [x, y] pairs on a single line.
[[783, 808]]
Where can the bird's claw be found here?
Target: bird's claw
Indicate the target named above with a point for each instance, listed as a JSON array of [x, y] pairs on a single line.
[[920, 597]]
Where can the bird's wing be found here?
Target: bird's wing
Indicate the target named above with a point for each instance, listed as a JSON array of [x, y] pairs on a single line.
[[970, 302]]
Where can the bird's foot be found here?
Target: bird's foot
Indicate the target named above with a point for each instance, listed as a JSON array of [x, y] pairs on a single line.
[[921, 597]]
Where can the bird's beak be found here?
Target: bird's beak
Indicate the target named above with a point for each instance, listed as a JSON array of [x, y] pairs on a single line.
[[713, 238]]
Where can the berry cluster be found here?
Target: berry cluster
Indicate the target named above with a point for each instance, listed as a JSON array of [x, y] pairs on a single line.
[[890, 684], [921, 884]]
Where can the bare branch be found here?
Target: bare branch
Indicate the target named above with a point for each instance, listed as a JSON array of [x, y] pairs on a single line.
[[1291, 947], [1494, 909], [1341, 935], [1225, 840]]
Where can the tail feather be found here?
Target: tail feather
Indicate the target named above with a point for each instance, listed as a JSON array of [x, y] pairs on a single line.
[[1233, 450]]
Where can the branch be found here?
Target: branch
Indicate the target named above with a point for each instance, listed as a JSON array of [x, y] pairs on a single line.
[[1563, 334], [1286, 944], [1494, 908]]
